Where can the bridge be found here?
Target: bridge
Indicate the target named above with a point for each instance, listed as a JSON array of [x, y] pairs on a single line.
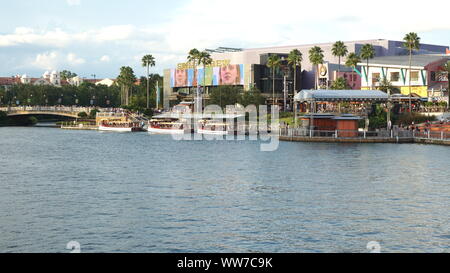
[[64, 111]]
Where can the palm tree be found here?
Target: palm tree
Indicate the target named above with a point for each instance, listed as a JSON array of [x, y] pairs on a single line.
[[367, 53], [446, 69], [386, 86], [339, 50], [316, 58], [412, 42], [339, 84], [205, 59], [352, 61], [274, 62], [125, 80], [295, 59], [193, 58], [148, 61]]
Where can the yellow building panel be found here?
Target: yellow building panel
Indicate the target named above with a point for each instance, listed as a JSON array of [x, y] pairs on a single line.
[[419, 90]]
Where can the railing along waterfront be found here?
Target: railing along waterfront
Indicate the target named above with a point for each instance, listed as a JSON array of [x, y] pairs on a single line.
[[369, 135], [381, 134], [432, 135]]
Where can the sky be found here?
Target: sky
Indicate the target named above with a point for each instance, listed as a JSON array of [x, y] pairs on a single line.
[[97, 37]]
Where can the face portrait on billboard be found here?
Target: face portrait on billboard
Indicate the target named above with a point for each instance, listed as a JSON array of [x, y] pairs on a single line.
[[181, 77], [230, 75]]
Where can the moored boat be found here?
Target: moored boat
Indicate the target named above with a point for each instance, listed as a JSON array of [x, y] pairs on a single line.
[[166, 127], [121, 127], [213, 127]]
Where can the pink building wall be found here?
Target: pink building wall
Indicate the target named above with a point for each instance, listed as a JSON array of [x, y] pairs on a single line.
[[353, 79]]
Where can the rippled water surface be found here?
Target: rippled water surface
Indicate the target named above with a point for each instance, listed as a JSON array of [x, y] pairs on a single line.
[[141, 193]]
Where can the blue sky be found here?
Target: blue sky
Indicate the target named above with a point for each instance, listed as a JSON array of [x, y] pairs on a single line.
[[99, 36]]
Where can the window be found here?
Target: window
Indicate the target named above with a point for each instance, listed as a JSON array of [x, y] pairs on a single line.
[[375, 78], [395, 76], [415, 76], [433, 76]]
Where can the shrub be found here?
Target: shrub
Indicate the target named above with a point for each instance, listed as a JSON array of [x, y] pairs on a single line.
[[82, 115], [93, 113], [407, 119]]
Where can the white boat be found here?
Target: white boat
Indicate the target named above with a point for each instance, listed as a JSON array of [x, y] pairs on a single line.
[[166, 127], [212, 127], [121, 127]]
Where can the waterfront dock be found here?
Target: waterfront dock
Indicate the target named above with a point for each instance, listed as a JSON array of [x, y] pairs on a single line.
[[382, 136]]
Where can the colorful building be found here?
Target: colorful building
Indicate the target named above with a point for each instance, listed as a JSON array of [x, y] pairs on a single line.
[[426, 76], [180, 82]]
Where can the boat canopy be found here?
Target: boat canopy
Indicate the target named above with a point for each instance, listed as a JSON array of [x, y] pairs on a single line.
[[172, 115], [340, 95]]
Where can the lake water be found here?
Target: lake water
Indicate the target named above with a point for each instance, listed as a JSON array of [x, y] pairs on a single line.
[[141, 193]]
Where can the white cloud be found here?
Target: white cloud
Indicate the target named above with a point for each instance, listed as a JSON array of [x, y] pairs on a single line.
[[74, 60], [73, 2], [47, 61], [55, 60], [105, 59]]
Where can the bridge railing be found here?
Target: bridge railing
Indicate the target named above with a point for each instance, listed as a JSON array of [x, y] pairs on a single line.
[[57, 109]]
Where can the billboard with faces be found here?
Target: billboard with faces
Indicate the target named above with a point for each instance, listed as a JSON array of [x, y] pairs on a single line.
[[232, 74]]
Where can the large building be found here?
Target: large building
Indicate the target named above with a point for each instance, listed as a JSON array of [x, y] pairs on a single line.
[[427, 76], [248, 68]]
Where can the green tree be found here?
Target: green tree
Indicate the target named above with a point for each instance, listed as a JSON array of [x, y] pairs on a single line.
[[295, 59], [126, 80], [316, 57], [225, 95], [82, 115], [367, 53], [352, 61], [274, 62], [148, 61], [204, 58], [194, 59], [3, 118], [251, 97], [412, 42], [65, 75], [339, 50], [386, 86], [339, 84]]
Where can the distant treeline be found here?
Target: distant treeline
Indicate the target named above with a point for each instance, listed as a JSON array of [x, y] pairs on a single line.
[[87, 94]]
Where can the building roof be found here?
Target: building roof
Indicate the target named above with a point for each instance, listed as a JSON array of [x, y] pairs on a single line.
[[341, 95], [417, 60], [9, 80]]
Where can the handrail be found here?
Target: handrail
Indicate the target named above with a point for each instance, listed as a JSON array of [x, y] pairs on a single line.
[[381, 134]]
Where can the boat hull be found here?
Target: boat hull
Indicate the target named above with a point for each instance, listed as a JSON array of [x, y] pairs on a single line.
[[119, 129], [159, 131], [210, 132]]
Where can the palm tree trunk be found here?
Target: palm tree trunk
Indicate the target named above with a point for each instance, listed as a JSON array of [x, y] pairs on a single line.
[[410, 100], [339, 65], [273, 85], [295, 94], [148, 88], [367, 75], [204, 85]]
